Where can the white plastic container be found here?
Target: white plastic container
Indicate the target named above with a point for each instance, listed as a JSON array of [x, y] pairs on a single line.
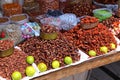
[[4, 2], [3, 24], [25, 20]]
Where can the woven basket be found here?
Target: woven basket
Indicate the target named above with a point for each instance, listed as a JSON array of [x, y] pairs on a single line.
[[89, 25]]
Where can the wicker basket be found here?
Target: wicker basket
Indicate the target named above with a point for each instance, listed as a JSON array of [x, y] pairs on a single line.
[[89, 25]]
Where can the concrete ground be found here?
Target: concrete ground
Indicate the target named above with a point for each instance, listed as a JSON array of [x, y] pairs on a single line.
[[107, 72]]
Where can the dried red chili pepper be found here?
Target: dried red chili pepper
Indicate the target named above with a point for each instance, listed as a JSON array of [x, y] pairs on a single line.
[[91, 39], [48, 50]]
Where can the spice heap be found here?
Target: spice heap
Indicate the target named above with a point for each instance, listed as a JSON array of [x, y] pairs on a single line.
[[12, 9], [48, 29], [15, 62], [48, 50], [31, 6], [91, 39], [48, 32], [108, 22], [6, 44], [46, 5], [89, 19], [113, 24], [80, 9]]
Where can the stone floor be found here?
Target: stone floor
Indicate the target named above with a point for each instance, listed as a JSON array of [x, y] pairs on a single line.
[[107, 72]]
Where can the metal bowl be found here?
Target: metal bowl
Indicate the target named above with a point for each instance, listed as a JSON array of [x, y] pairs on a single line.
[[48, 36], [7, 52]]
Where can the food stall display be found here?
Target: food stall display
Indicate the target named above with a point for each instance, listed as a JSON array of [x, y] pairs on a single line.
[[42, 36]]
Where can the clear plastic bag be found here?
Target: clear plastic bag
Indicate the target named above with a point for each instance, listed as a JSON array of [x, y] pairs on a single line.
[[68, 21], [65, 21], [30, 30], [51, 21], [14, 33], [112, 7]]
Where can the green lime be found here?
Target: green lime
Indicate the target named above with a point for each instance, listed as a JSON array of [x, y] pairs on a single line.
[[55, 64], [112, 45], [42, 67], [30, 71], [30, 59], [104, 49], [68, 60], [16, 75], [92, 53]]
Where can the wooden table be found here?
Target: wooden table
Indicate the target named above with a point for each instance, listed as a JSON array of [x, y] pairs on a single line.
[[87, 65]]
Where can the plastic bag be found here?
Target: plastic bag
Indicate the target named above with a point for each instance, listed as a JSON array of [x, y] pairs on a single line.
[[65, 21], [30, 30], [4, 21], [51, 21], [14, 33], [112, 7], [68, 21]]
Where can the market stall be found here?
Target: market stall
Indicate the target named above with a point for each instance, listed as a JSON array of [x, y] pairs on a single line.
[[54, 39], [87, 65]]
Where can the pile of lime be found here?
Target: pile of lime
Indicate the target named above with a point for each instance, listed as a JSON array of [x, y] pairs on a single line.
[[55, 64], [30, 70], [103, 49]]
